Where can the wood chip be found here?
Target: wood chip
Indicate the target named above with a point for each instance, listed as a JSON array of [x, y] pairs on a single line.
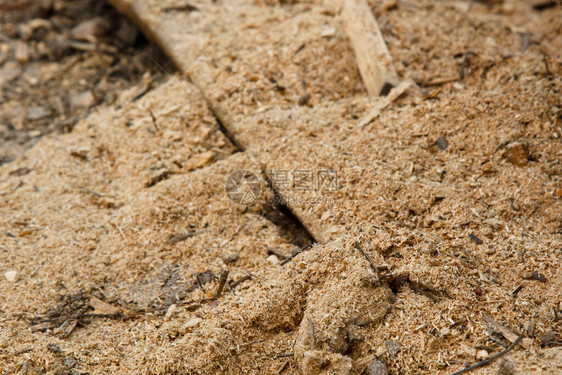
[[506, 332], [517, 153], [382, 103], [101, 307]]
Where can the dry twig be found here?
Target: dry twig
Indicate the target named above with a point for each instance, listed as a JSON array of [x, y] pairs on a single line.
[[358, 247], [489, 360]]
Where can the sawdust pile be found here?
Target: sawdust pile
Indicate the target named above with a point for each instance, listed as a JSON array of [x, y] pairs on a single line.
[[58, 60], [440, 246]]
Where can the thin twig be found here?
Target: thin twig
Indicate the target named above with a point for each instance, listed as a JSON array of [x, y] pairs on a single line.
[[120, 230], [440, 81], [358, 247], [240, 281], [284, 355], [282, 367], [312, 333], [180, 8], [430, 293], [22, 352], [489, 360], [277, 253], [465, 64], [546, 65], [175, 238], [295, 254], [156, 127], [90, 192]]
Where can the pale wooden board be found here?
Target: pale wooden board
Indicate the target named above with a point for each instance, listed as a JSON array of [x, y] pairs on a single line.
[[373, 57]]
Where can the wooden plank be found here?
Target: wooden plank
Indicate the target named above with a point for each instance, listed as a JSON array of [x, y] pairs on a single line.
[[372, 55]]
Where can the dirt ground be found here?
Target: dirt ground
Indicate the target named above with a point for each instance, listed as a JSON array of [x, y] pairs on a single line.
[[58, 60], [437, 245]]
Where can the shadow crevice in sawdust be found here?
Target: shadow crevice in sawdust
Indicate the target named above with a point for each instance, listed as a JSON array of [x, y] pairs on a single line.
[[290, 227], [226, 133]]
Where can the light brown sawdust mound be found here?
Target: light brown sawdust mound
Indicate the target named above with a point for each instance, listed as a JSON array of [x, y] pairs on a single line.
[[104, 211], [410, 202]]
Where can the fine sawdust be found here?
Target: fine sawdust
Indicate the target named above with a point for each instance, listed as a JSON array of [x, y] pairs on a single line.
[[453, 195], [119, 233]]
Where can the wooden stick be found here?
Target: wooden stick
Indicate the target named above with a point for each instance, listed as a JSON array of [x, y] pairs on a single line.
[[240, 281], [284, 355], [382, 103], [489, 360], [371, 52], [358, 247], [441, 80]]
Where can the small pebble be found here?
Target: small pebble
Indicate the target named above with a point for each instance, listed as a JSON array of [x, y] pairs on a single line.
[[84, 99], [458, 86], [9, 71], [230, 257], [442, 143], [11, 276], [475, 239], [329, 32], [54, 348], [508, 8], [38, 113], [70, 362], [481, 354], [377, 368], [127, 33], [22, 52], [89, 30], [303, 100], [539, 277], [506, 368], [490, 251], [273, 259], [547, 337], [192, 323], [393, 347]]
